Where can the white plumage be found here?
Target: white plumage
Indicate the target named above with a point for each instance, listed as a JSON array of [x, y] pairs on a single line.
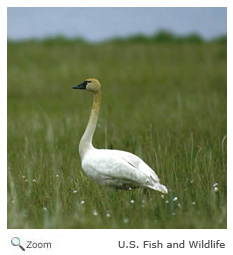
[[113, 168]]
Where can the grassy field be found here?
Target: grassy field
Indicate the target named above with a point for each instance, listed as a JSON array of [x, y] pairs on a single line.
[[165, 102]]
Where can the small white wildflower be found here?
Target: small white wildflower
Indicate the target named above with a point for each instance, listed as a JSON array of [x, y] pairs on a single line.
[[57, 175], [130, 188], [191, 181], [95, 213], [108, 215], [132, 201], [179, 205], [193, 203], [44, 208], [23, 177], [82, 202], [162, 196], [125, 220], [75, 191], [175, 198], [26, 180], [34, 180], [215, 189], [215, 184], [166, 201]]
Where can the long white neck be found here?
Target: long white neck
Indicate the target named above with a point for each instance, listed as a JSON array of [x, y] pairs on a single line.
[[86, 140]]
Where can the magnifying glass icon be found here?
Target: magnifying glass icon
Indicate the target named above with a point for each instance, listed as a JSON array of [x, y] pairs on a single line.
[[15, 241]]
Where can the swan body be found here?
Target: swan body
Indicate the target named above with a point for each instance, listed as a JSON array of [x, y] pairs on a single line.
[[114, 168]]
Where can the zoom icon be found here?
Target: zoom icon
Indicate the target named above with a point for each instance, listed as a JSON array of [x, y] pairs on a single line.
[[15, 241]]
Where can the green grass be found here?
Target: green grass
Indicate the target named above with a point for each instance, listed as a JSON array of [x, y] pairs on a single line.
[[164, 102]]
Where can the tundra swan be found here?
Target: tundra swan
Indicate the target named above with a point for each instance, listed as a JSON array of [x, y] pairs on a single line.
[[113, 168]]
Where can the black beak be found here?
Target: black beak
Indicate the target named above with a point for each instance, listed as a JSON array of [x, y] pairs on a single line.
[[83, 85]]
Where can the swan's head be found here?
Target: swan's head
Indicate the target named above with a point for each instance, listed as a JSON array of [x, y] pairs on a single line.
[[90, 84]]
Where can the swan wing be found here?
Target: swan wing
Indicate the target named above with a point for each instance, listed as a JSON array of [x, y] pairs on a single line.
[[138, 164]]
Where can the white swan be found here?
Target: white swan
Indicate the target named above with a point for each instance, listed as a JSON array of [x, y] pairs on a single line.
[[114, 168]]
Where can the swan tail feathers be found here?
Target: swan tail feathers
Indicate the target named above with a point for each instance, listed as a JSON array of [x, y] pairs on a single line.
[[159, 187]]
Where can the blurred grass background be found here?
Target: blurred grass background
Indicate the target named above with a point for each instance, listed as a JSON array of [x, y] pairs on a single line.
[[163, 99]]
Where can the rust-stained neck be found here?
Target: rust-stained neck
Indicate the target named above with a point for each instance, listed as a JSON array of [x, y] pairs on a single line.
[[86, 140]]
